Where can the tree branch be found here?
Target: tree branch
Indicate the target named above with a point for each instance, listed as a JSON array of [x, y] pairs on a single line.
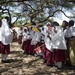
[[29, 6], [73, 1], [4, 2], [15, 20], [55, 12], [63, 13]]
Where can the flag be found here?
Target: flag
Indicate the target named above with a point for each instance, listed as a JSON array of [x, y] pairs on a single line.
[[38, 50]]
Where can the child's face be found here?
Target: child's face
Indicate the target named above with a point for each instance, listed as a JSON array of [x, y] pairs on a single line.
[[25, 30], [42, 28], [63, 24]]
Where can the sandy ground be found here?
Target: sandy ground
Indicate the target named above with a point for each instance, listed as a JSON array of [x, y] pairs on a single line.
[[22, 64]]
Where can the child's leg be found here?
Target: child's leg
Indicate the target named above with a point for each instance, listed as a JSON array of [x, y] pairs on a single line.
[[59, 64]]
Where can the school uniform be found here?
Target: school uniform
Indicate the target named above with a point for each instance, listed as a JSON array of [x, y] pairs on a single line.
[[43, 32], [59, 47], [33, 44], [19, 37], [31, 37], [6, 39], [38, 48], [48, 50], [26, 42]]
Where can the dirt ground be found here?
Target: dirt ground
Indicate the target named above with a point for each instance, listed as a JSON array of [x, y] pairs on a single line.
[[22, 64]]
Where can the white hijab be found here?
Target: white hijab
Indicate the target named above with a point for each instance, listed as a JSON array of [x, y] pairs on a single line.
[[25, 34], [6, 34], [58, 40]]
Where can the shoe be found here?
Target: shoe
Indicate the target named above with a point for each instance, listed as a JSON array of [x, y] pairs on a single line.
[[5, 61], [68, 64], [50, 65], [24, 52], [44, 61], [59, 68]]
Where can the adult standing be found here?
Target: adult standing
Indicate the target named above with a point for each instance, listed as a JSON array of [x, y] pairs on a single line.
[[70, 39]]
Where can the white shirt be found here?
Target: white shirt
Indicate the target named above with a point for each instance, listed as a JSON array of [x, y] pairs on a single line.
[[68, 32]]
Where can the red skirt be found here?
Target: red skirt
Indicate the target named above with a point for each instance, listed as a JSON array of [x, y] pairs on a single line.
[[20, 40], [44, 51], [4, 49], [31, 49], [49, 55], [59, 55], [26, 46]]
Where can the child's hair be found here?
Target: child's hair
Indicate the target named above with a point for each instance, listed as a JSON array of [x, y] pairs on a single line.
[[0, 23], [66, 23], [55, 24], [71, 23], [7, 18]]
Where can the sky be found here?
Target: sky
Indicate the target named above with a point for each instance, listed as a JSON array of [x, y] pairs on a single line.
[[63, 17]]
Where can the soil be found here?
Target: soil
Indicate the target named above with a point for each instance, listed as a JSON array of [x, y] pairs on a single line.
[[23, 64]]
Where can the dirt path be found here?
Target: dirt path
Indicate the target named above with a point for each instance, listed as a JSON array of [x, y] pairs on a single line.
[[22, 64]]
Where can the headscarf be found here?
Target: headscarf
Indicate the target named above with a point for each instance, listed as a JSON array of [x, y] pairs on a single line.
[[6, 34], [58, 39]]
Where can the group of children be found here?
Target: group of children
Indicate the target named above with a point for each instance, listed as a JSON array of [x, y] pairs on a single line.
[[49, 41]]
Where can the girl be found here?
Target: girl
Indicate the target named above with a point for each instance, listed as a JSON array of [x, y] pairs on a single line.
[[59, 45], [25, 45], [19, 36], [48, 50], [6, 38]]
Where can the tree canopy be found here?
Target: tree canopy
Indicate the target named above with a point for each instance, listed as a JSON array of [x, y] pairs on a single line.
[[35, 10]]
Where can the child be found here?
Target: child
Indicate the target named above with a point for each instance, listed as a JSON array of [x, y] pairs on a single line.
[[48, 50], [59, 46], [19, 36], [6, 38], [25, 44]]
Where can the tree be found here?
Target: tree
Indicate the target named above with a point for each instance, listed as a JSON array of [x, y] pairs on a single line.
[[36, 9]]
